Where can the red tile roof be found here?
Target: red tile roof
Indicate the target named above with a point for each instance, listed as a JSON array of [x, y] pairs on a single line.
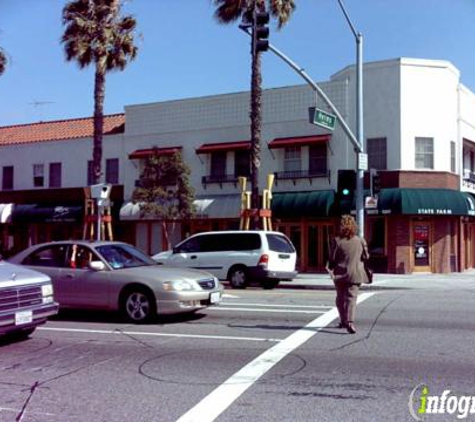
[[59, 130]]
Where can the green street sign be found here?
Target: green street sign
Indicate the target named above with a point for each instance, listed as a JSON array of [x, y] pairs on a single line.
[[324, 119]]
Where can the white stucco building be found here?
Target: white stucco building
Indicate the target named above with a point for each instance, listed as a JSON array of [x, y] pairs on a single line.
[[419, 128]]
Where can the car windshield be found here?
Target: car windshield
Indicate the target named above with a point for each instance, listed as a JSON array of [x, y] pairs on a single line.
[[124, 256]]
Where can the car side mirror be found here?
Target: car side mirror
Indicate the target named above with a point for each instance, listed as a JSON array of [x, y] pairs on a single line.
[[97, 266], [175, 249]]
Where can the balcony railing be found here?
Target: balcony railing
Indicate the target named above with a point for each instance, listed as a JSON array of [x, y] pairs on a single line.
[[301, 174], [469, 179], [219, 178]]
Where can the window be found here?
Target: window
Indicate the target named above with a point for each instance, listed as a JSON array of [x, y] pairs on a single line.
[[218, 163], [7, 181], [424, 153], [376, 149], [49, 256], [112, 171], [452, 156], [317, 159], [90, 173], [55, 175], [292, 159], [38, 175], [242, 163]]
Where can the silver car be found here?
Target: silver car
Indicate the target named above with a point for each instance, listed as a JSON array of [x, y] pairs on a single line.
[[117, 276]]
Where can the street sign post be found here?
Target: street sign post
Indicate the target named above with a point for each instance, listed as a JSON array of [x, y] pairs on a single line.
[[323, 119]]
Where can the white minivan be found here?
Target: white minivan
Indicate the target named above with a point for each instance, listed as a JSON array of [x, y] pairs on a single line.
[[237, 256]]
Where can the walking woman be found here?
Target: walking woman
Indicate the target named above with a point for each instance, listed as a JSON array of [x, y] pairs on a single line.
[[346, 264]]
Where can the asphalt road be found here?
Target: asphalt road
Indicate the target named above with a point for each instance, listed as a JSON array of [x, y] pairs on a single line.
[[260, 356]]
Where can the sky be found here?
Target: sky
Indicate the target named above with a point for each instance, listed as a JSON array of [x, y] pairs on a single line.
[[184, 52]]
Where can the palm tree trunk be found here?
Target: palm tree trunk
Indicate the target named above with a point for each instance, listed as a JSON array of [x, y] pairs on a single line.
[[256, 123], [99, 93]]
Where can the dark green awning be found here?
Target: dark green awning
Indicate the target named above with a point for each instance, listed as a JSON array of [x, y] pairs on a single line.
[[302, 204], [422, 202]]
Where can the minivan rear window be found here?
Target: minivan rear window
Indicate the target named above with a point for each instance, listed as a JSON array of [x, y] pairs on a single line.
[[279, 243]]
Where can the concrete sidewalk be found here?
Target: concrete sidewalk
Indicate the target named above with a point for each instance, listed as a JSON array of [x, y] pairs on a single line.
[[322, 281]]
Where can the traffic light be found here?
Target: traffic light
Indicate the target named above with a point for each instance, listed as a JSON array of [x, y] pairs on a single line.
[[346, 183], [375, 183], [261, 31]]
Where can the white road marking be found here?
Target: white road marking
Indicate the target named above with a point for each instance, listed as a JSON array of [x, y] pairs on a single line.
[[279, 311], [139, 333], [221, 398], [275, 305]]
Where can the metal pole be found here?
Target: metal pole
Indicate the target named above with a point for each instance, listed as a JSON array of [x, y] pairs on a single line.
[[359, 124], [359, 121]]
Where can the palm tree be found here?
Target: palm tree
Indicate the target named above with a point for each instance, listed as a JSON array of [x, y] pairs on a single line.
[[3, 61], [229, 11], [96, 33]]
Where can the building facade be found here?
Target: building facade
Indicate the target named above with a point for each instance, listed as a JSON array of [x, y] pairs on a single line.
[[419, 124]]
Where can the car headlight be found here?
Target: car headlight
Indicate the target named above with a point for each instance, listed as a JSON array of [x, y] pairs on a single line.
[[47, 293], [178, 286]]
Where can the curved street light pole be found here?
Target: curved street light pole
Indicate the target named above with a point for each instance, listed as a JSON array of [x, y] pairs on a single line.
[[359, 121]]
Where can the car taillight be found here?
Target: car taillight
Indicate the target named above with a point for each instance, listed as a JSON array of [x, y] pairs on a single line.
[[263, 260]]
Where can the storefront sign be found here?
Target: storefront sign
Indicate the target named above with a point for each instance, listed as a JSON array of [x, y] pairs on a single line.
[[434, 211]]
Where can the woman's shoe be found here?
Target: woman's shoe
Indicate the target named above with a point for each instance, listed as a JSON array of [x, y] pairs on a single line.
[[342, 325], [351, 328]]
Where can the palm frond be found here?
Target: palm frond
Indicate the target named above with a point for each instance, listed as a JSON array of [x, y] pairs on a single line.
[[228, 11], [282, 10]]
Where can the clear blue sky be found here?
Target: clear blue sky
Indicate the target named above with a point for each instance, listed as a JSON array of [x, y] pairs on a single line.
[[184, 52]]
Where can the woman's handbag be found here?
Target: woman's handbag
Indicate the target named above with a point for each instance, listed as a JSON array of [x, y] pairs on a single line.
[[368, 271]]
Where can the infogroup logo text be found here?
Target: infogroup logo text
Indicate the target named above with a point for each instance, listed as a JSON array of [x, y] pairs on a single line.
[[421, 403]]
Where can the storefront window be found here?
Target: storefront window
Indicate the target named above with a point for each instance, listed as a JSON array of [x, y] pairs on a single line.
[[377, 236]]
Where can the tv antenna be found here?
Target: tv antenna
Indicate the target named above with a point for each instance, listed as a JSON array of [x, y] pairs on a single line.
[[38, 104]]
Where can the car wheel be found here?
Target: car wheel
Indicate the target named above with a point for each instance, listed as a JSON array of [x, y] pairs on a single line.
[[238, 277], [138, 305], [269, 284]]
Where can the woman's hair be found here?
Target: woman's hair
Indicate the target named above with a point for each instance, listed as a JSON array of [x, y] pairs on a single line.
[[348, 227]]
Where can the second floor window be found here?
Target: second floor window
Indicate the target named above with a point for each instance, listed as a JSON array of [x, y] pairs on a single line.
[[218, 163], [55, 175], [452, 157], [38, 175], [7, 180], [424, 153], [317, 159], [377, 153], [112, 171], [292, 159], [242, 163]]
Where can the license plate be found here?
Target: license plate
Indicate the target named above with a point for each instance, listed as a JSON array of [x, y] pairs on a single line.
[[23, 317], [214, 297]]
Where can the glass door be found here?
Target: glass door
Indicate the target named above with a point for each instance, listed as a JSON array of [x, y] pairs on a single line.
[[421, 235]]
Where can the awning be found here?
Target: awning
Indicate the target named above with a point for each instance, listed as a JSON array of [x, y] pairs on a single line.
[[213, 206], [5, 213], [227, 146], [34, 213], [299, 141], [423, 202], [302, 204], [145, 153]]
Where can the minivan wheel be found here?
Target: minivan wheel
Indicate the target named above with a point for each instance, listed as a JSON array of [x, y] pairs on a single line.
[[138, 305], [238, 277], [269, 284]]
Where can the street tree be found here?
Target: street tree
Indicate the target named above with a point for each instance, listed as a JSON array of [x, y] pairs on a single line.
[[96, 33], [164, 191], [229, 11]]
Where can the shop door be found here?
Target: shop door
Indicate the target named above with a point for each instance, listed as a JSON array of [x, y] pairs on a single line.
[[421, 235], [319, 237]]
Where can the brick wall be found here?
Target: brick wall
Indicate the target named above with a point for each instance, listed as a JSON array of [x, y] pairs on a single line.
[[419, 179]]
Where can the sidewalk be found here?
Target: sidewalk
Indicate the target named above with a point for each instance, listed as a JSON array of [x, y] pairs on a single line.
[[322, 281]]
